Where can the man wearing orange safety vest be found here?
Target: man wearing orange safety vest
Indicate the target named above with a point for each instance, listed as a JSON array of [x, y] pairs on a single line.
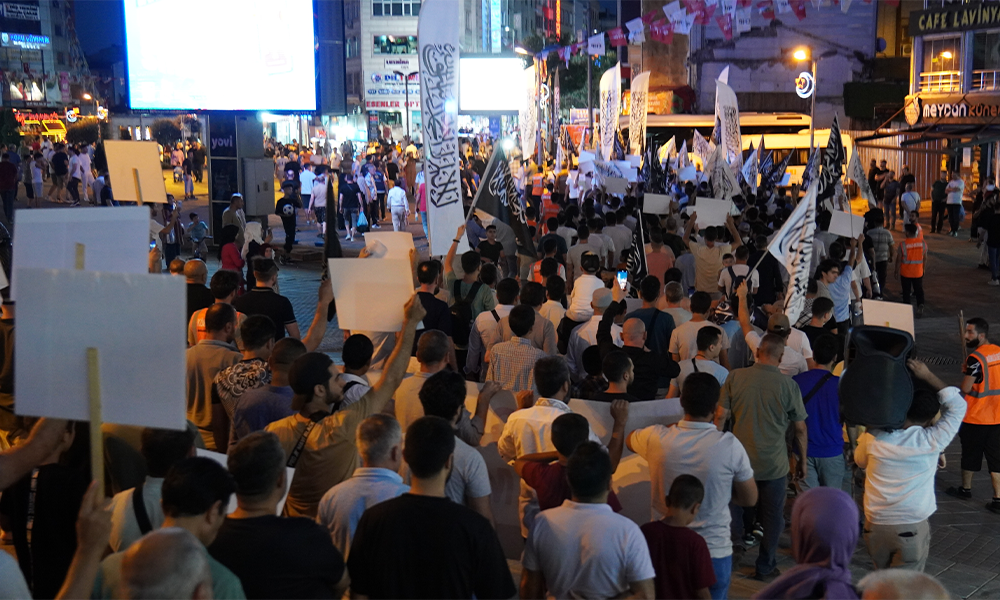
[[980, 430], [910, 265]]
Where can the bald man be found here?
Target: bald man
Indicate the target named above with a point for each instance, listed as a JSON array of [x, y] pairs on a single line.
[[166, 563], [652, 370], [889, 584], [198, 296]]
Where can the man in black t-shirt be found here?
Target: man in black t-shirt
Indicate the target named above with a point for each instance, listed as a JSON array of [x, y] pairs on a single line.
[[350, 204], [286, 209], [263, 300], [438, 314], [421, 544], [490, 248], [300, 560], [60, 170]]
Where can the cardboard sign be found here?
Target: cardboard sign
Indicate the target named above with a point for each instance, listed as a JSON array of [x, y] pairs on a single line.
[[586, 156], [688, 173], [137, 324], [394, 244], [656, 204], [712, 212], [116, 240], [370, 292], [222, 460], [846, 224], [615, 185], [888, 314], [126, 161], [634, 160]]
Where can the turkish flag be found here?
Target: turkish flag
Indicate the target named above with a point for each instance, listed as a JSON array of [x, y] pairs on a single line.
[[617, 37], [648, 17], [725, 22], [766, 9], [799, 8]]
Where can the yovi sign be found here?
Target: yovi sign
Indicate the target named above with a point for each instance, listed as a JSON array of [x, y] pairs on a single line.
[[950, 109]]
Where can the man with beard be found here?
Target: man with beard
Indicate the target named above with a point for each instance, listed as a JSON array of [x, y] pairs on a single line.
[[325, 457], [980, 430]]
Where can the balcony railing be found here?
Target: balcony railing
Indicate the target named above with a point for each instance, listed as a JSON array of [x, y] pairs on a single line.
[[941, 81], [986, 80]]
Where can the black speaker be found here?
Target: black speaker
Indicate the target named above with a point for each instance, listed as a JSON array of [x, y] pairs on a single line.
[[876, 389]]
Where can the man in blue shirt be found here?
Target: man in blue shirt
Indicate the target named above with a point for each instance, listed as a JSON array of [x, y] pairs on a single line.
[[659, 324], [825, 463], [261, 406]]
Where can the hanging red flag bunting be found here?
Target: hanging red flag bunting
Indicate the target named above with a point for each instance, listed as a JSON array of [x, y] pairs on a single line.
[[648, 17], [725, 22], [766, 9], [617, 38], [706, 15], [799, 8]]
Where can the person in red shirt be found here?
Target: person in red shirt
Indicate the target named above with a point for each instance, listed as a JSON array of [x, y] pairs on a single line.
[[548, 478], [680, 556]]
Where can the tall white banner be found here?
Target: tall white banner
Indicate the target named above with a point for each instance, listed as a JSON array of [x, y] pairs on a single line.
[[438, 34], [793, 246], [638, 103], [727, 113], [527, 117], [857, 172], [611, 100]]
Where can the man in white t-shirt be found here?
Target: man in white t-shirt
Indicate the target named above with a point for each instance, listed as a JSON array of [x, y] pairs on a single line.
[[955, 189], [684, 339], [706, 361], [910, 202], [582, 549], [696, 447]]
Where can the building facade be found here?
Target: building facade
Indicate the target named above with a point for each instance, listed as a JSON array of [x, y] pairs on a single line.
[[40, 58]]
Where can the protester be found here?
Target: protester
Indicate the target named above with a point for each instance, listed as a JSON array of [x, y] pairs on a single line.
[[659, 324], [543, 333], [357, 357], [582, 548], [709, 252], [825, 462], [198, 296], [329, 456], [695, 447], [483, 334], [824, 536], [705, 361], [679, 555], [421, 544], [584, 335], [205, 360], [580, 308], [263, 405], [228, 387], [620, 374], [264, 300], [793, 360], [137, 511], [555, 294], [684, 339], [511, 363], [675, 297], [301, 561], [899, 584], [822, 313], [762, 402], [980, 430], [443, 395], [900, 467]]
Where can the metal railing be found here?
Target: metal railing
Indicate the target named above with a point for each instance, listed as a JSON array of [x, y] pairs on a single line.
[[941, 81], [986, 80]]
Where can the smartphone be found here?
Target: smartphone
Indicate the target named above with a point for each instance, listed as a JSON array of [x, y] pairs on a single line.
[[152, 244], [622, 278]]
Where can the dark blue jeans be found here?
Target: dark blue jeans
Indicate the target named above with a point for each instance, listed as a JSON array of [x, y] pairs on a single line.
[[771, 516], [994, 254]]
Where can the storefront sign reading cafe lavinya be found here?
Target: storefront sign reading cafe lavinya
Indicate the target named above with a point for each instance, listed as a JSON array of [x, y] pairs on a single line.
[[954, 17], [970, 109]]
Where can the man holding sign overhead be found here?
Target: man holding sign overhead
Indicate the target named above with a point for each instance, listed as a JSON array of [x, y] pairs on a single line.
[[709, 252]]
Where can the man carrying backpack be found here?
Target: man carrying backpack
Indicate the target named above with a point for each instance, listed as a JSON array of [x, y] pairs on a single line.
[[732, 276], [469, 296]]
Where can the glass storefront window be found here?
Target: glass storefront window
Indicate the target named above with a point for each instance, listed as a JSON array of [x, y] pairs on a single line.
[[398, 44], [942, 65], [986, 60]]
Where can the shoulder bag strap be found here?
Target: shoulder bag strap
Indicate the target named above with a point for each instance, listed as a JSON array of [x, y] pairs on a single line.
[[694, 364], [139, 507], [293, 458], [495, 315], [816, 388]]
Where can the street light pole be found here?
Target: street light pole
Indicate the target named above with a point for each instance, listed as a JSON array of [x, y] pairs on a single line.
[[812, 108], [406, 91]]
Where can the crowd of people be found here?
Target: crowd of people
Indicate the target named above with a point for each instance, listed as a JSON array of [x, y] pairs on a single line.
[[337, 479]]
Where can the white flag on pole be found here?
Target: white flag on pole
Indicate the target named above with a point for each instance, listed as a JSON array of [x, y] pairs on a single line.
[[727, 115], [528, 115], [793, 246], [749, 170], [637, 112], [611, 99], [857, 172], [438, 34]]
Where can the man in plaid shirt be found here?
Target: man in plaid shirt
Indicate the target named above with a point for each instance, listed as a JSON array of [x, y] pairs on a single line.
[[512, 362]]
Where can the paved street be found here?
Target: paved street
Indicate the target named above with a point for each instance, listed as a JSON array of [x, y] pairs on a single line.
[[965, 546]]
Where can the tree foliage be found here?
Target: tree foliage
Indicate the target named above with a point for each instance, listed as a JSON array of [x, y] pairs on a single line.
[[10, 132], [83, 132], [573, 80], [166, 132]]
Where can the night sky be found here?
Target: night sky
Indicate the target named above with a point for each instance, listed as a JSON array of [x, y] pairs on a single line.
[[99, 24]]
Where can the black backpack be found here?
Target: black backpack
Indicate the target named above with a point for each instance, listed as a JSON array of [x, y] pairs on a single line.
[[461, 312], [734, 300]]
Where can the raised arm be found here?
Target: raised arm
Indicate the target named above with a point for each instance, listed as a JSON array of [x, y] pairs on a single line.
[[731, 226], [93, 528], [317, 330], [19, 460], [744, 308], [400, 358], [449, 259], [689, 227]]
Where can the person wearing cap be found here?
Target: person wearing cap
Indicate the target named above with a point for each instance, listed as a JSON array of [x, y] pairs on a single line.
[[580, 308], [792, 360], [286, 209], [234, 215], [585, 335]]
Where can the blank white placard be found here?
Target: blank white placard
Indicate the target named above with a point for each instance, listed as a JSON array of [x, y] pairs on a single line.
[[123, 157], [888, 314], [587, 157], [634, 160], [397, 243], [688, 173], [712, 212], [615, 185], [136, 322], [116, 240], [370, 292], [846, 224], [656, 204]]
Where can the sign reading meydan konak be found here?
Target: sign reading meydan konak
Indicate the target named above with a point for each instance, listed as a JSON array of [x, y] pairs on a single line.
[[954, 17], [951, 108]]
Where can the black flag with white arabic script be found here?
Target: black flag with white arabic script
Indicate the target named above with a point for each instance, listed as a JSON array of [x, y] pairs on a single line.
[[636, 260], [498, 196], [833, 163]]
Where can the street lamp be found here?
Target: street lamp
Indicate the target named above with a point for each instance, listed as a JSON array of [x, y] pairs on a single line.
[[804, 54], [406, 88]]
